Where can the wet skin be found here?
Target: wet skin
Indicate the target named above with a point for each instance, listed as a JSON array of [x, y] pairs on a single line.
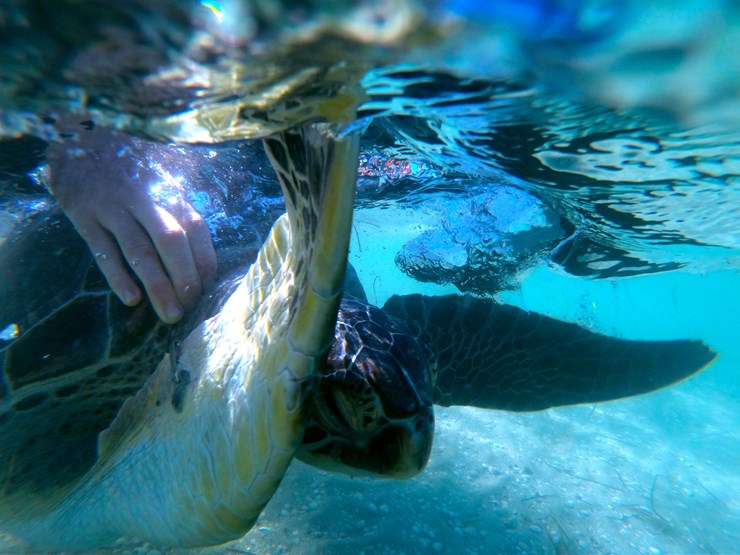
[[102, 181]]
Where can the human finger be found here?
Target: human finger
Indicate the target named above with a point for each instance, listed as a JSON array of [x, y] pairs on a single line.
[[111, 263], [173, 247], [201, 244], [143, 258]]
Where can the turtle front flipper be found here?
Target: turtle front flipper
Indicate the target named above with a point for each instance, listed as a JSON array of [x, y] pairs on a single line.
[[502, 357], [196, 454], [317, 173]]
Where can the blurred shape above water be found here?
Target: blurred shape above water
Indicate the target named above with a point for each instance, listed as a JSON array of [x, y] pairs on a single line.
[[545, 19], [674, 59], [199, 71], [482, 243]]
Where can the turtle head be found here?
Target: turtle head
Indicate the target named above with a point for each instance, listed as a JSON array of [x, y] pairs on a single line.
[[371, 412]]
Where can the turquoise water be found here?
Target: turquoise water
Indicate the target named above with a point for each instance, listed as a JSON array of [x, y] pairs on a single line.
[[616, 122]]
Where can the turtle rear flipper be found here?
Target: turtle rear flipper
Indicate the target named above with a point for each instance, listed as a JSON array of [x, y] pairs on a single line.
[[502, 357]]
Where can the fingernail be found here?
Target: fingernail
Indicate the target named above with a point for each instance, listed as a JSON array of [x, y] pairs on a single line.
[[129, 297], [174, 312]]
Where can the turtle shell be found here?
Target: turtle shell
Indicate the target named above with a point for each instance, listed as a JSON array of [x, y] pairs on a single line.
[[71, 353]]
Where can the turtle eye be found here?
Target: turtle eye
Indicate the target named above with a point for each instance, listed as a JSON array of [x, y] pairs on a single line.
[[359, 407], [348, 411]]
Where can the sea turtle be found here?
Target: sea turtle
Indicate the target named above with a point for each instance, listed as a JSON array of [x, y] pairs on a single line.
[[72, 354], [371, 412], [99, 446]]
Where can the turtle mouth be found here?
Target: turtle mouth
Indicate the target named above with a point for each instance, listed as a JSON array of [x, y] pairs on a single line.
[[352, 430], [347, 409], [395, 449], [398, 451]]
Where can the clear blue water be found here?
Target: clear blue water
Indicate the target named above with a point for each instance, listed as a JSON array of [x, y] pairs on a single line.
[[623, 119]]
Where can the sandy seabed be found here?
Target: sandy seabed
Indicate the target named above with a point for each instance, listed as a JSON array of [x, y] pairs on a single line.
[[656, 474]]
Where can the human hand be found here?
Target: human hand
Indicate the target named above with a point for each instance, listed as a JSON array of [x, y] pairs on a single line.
[[104, 183]]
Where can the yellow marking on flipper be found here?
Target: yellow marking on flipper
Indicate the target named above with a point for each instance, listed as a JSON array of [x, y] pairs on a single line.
[[308, 328], [209, 527], [247, 506], [285, 395], [261, 429], [314, 316], [326, 266], [223, 463], [230, 520], [215, 8], [207, 483], [244, 451]]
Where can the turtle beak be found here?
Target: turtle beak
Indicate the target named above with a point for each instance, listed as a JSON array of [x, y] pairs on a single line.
[[401, 451], [398, 450], [371, 419]]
